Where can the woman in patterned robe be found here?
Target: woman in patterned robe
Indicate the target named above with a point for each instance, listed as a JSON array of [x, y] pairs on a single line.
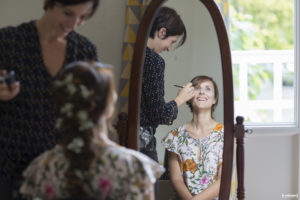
[[86, 163], [195, 149]]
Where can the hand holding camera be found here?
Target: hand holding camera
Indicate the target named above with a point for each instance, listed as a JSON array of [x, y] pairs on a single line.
[[8, 88], [9, 79]]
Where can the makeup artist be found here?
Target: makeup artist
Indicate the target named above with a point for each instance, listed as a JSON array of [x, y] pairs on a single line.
[[166, 30], [36, 51]]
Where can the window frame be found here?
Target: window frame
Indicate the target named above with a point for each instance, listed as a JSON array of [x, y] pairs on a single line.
[[286, 128]]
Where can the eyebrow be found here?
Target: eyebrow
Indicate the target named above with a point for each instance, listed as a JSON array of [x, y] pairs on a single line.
[[67, 9], [73, 13]]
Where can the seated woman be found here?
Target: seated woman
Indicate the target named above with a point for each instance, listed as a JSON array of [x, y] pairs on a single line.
[[195, 149], [86, 162]]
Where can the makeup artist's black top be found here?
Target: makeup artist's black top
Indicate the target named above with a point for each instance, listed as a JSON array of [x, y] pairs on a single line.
[[27, 121], [154, 109]]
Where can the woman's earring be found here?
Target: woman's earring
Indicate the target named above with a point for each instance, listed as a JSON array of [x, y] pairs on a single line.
[[162, 36]]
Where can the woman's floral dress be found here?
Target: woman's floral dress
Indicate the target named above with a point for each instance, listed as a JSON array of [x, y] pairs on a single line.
[[118, 173], [198, 171]]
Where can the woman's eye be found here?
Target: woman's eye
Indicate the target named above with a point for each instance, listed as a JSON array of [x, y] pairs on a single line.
[[83, 17], [68, 13]]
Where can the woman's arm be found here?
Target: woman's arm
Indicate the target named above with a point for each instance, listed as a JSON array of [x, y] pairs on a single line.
[[176, 177], [211, 191], [155, 107]]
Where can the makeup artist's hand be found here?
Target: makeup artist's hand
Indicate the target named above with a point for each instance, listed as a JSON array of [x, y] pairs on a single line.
[[184, 94], [7, 93]]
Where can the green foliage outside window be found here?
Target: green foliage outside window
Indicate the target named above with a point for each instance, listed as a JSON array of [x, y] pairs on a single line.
[[261, 24], [257, 76]]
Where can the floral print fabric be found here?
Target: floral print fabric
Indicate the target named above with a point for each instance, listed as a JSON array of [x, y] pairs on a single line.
[[198, 171], [117, 173]]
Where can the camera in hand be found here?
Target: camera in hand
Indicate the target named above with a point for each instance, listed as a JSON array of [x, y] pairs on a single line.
[[9, 79]]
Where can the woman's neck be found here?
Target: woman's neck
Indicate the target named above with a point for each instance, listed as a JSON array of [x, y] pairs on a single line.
[[100, 133], [201, 124], [48, 32], [151, 44]]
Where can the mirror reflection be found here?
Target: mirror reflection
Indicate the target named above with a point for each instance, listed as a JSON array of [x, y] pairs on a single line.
[[199, 55]]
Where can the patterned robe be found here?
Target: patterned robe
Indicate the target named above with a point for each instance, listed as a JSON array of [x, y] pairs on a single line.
[[198, 171], [116, 173]]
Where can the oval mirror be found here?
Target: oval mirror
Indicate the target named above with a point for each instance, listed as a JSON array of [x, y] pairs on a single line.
[[206, 52]]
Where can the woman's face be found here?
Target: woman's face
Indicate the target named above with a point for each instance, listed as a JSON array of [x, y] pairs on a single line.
[[204, 96], [163, 44], [69, 18]]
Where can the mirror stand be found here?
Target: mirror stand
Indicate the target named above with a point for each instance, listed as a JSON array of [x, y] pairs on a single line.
[[121, 127], [239, 132], [128, 125]]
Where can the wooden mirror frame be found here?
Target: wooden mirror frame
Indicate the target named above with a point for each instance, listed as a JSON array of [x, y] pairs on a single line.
[[136, 82]]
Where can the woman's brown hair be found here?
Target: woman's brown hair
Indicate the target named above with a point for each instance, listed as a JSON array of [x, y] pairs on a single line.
[[199, 79], [50, 4], [85, 88], [168, 18]]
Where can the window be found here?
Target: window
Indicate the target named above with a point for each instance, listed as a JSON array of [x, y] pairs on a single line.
[[263, 38]]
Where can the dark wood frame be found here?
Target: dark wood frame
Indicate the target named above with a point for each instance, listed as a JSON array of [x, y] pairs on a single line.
[[239, 132], [136, 80]]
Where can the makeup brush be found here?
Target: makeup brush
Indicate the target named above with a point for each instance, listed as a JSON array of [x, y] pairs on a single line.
[[178, 86]]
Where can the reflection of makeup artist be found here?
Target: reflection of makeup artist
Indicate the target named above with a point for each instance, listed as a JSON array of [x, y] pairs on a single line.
[[167, 29], [36, 51], [195, 149]]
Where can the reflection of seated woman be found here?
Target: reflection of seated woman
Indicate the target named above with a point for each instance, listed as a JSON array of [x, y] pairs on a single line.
[[86, 162], [195, 149]]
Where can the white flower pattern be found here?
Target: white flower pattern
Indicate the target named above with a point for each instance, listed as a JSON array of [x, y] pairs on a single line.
[[85, 122], [76, 144], [67, 109]]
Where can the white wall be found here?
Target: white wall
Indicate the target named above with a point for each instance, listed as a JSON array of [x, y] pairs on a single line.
[[271, 166]]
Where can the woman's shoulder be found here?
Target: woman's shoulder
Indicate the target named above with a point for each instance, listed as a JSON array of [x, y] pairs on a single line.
[[82, 47], [218, 131], [79, 39], [134, 160], [219, 127], [24, 28], [44, 160], [56, 151], [179, 131], [128, 154], [175, 133]]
